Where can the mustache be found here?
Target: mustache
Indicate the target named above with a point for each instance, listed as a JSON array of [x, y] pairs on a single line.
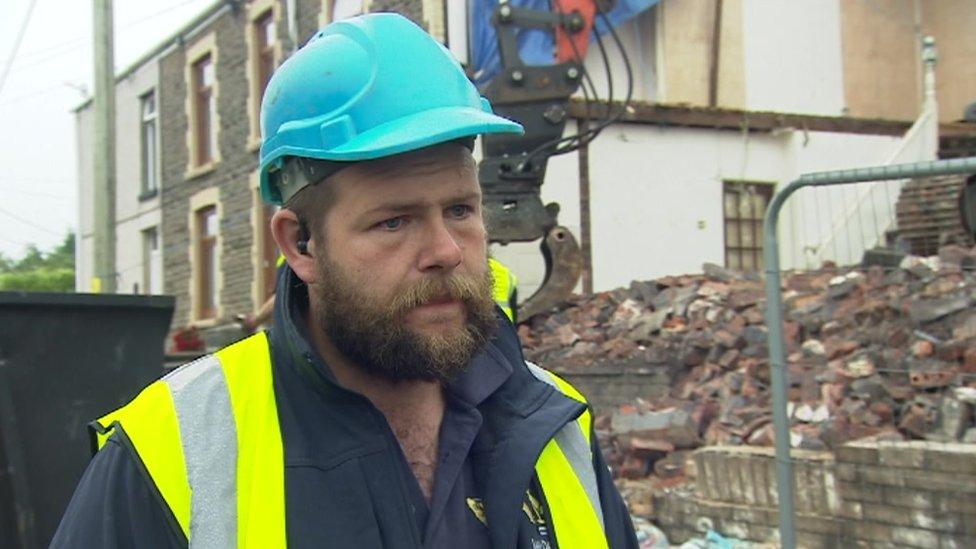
[[463, 288]]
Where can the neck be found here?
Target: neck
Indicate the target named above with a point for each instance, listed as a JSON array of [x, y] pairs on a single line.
[[394, 398]]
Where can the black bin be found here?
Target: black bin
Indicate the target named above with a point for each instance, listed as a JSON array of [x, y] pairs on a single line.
[[65, 359]]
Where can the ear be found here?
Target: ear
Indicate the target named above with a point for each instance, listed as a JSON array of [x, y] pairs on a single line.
[[287, 232]]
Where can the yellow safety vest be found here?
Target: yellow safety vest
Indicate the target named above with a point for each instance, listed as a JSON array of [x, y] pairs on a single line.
[[504, 286], [209, 438]]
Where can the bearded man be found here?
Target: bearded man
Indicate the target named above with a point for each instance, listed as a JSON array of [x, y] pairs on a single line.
[[389, 405]]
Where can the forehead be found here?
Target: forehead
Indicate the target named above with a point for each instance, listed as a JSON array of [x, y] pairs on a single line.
[[433, 171]]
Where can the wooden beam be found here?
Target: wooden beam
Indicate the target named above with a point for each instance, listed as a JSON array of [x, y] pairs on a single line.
[[758, 121]]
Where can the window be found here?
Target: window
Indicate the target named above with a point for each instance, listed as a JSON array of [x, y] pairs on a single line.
[[202, 106], [264, 250], [336, 10], [269, 253], [265, 35], [206, 262], [264, 54], [744, 206], [203, 111], [152, 262], [150, 151]]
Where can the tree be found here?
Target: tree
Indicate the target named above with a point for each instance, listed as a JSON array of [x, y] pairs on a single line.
[[38, 271]]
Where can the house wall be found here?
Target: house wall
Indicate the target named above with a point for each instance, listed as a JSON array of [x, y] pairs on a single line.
[[656, 196], [830, 57], [792, 53], [880, 47], [951, 22], [229, 175], [84, 241], [132, 213], [684, 46]]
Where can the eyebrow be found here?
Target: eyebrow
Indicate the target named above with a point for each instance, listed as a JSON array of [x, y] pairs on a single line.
[[394, 206]]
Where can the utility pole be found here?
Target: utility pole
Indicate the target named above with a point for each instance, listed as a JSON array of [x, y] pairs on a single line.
[[104, 149]]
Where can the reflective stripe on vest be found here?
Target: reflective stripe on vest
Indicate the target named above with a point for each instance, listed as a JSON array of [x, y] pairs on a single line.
[[565, 471], [213, 425], [503, 286]]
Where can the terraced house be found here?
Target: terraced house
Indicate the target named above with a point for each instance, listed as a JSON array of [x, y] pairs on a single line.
[[730, 99]]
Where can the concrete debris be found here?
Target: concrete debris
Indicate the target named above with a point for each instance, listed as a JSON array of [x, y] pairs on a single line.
[[874, 353], [648, 535]]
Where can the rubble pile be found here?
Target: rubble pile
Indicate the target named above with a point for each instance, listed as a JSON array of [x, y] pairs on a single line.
[[886, 353]]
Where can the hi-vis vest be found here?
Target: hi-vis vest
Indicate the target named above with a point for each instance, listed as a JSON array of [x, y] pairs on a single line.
[[504, 286], [209, 438]]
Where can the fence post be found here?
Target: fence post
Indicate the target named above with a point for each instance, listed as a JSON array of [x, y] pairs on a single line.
[[777, 362]]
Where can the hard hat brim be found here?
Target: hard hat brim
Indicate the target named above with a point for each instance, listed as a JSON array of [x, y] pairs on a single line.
[[405, 134]]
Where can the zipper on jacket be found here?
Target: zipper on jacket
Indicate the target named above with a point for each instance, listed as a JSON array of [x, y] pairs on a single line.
[[537, 487]]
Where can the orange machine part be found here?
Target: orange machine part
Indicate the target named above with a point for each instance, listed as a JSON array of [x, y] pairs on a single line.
[[564, 48]]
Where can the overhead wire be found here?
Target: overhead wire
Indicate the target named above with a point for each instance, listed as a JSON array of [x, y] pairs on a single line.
[[61, 197], [28, 222], [574, 142], [585, 80], [70, 46], [17, 41]]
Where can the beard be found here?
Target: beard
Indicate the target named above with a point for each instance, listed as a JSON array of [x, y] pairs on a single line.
[[372, 332]]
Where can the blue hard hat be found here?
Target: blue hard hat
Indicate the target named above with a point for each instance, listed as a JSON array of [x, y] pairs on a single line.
[[365, 88]]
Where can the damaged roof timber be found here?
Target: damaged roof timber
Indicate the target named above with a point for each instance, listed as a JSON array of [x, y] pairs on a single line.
[[736, 119]]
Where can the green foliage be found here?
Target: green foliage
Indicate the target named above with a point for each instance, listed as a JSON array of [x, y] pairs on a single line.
[[39, 280], [38, 271]]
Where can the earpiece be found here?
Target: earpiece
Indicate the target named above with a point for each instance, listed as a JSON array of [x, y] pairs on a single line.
[[303, 238]]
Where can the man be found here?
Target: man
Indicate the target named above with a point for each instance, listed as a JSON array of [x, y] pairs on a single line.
[[390, 405]]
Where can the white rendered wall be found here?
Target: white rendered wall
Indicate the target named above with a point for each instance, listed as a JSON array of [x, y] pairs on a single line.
[[132, 216], [792, 52], [656, 196], [639, 41], [84, 240]]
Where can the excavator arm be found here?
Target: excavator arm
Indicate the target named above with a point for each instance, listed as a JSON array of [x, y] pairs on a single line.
[[514, 167]]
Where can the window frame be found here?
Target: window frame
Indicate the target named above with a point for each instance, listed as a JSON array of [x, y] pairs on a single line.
[[208, 295], [748, 243], [203, 107], [264, 249], [199, 311], [149, 125], [198, 163], [150, 244], [263, 57]]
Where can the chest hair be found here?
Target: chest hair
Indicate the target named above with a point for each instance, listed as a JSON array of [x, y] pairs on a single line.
[[419, 440]]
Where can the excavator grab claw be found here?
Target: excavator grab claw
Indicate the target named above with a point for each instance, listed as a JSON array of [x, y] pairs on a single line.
[[514, 166], [564, 265]]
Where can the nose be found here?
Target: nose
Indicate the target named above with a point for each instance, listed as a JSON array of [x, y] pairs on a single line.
[[441, 251]]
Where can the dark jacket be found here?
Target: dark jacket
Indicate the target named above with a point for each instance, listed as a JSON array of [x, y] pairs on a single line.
[[336, 443]]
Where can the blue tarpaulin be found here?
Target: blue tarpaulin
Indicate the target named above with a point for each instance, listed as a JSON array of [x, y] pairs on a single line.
[[536, 47]]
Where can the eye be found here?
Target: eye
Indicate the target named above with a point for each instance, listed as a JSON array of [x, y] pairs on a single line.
[[460, 211], [391, 224]]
